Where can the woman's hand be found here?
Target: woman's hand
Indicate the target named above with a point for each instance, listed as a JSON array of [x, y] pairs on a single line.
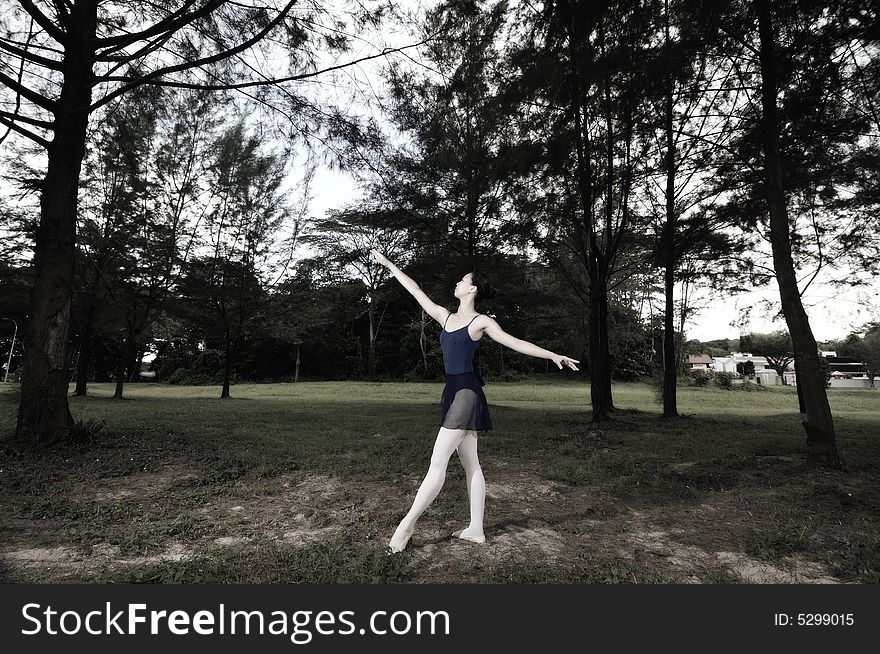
[[567, 362], [380, 258]]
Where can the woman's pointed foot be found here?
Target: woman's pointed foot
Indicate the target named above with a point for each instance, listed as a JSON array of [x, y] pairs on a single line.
[[471, 534], [399, 540]]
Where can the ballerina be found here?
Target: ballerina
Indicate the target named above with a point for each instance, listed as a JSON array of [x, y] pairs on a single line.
[[464, 411]]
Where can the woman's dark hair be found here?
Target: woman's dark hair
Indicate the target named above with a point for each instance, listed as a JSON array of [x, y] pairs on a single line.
[[484, 288]]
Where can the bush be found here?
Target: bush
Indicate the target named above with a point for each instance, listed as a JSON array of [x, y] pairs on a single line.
[[700, 378], [723, 380], [184, 377], [751, 387]]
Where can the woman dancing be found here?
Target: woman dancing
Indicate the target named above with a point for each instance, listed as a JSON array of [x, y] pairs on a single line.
[[464, 407]]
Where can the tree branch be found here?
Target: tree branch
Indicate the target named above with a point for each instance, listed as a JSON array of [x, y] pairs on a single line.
[[29, 56], [36, 122], [195, 63], [171, 23], [43, 21], [33, 96], [151, 78], [24, 132]]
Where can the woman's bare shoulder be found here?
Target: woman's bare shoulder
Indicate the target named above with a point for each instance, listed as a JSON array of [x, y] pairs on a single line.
[[484, 322]]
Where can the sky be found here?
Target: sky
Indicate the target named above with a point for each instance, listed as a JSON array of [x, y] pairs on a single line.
[[834, 313]]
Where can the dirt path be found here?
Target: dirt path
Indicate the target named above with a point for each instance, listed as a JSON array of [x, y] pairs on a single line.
[[537, 530]]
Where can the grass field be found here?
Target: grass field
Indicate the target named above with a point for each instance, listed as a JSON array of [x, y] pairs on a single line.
[[306, 482]]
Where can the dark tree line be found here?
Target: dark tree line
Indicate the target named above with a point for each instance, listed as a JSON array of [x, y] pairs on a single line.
[[593, 156]]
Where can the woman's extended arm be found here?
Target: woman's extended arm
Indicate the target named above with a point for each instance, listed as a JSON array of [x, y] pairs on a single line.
[[493, 330], [437, 312]]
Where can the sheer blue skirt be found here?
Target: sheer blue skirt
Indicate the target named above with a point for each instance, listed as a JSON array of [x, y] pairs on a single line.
[[464, 404]]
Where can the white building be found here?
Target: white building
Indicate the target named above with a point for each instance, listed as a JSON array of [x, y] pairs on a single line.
[[728, 364], [699, 362]]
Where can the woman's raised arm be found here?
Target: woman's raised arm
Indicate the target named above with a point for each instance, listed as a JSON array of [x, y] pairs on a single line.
[[493, 330], [437, 312]]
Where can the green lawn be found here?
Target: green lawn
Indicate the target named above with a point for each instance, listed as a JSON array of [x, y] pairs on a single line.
[[305, 482]]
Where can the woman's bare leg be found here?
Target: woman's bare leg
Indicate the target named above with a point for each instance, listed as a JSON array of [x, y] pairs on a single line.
[[446, 443], [476, 485]]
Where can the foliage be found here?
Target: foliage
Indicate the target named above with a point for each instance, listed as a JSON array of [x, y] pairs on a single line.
[[865, 349], [723, 380], [776, 347]]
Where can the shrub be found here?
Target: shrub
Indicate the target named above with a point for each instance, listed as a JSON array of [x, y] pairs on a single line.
[[751, 387], [723, 380]]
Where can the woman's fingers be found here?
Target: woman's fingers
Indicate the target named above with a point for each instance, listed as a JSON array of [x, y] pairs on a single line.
[[568, 361]]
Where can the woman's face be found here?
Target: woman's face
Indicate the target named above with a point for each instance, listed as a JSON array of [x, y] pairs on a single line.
[[464, 286]]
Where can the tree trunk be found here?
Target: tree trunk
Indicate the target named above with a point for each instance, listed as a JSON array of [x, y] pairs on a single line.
[[670, 367], [605, 340], [85, 359], [121, 358], [137, 360], [371, 349], [423, 341], [227, 364], [819, 425], [296, 367], [43, 413], [670, 360], [600, 394], [588, 247]]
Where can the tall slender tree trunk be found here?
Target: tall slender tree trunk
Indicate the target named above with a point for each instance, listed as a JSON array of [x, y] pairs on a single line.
[[818, 423], [423, 340], [43, 413], [296, 367], [227, 363], [371, 350], [471, 211], [84, 362], [138, 363], [600, 363], [121, 358], [605, 345], [588, 247], [670, 360]]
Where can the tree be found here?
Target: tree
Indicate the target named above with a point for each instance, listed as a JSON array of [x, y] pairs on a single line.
[[344, 241], [777, 348], [65, 61], [693, 243], [580, 72], [246, 213], [864, 348], [448, 177], [296, 312], [818, 421], [796, 158], [114, 187]]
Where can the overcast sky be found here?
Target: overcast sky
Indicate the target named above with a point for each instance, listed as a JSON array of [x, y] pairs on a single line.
[[833, 312]]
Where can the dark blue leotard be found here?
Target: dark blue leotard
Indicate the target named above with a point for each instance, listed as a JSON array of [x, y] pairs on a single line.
[[464, 405]]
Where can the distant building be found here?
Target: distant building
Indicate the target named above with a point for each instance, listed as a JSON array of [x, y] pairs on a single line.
[[699, 362], [728, 364], [847, 373]]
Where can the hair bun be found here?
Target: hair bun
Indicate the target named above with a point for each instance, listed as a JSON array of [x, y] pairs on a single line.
[[484, 287]]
